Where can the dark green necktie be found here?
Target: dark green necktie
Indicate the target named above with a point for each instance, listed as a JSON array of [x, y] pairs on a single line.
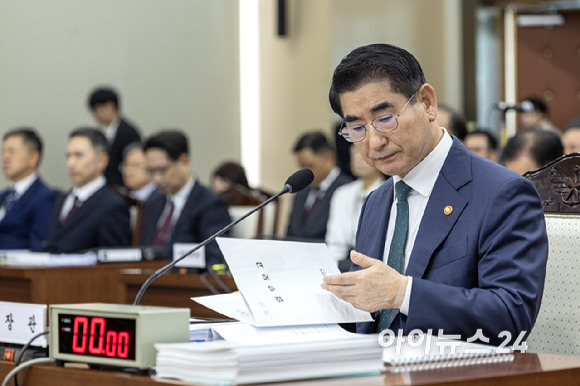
[[397, 250]]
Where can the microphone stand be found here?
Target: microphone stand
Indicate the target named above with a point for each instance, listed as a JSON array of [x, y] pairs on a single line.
[[287, 188]]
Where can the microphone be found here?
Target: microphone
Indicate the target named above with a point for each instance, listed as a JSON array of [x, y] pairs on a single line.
[[295, 183], [525, 107]]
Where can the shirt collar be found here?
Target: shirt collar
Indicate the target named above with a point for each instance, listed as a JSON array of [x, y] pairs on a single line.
[[83, 193], [22, 186], [144, 193], [325, 184], [111, 131], [183, 193], [423, 176]]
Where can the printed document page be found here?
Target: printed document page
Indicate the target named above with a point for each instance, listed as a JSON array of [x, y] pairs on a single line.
[[279, 282]]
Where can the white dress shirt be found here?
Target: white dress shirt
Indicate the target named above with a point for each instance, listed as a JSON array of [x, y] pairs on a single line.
[[422, 180], [322, 188], [82, 194], [143, 193], [111, 131], [345, 207], [178, 199]]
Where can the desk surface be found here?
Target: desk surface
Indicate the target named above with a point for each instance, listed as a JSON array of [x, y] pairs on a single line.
[[526, 369]]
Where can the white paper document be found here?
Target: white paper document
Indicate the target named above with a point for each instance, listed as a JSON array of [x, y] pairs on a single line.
[[279, 284]]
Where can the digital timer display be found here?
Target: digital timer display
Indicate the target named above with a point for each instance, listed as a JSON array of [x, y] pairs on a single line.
[[106, 337]]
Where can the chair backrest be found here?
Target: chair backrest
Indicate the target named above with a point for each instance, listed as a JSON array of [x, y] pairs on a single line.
[[262, 224], [135, 211], [558, 184], [557, 328]]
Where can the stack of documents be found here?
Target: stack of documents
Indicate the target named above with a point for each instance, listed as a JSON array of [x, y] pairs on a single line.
[[271, 354], [287, 323]]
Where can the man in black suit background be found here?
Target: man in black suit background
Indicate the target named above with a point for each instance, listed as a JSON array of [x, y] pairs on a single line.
[[105, 105], [26, 205], [90, 215], [184, 211], [311, 206]]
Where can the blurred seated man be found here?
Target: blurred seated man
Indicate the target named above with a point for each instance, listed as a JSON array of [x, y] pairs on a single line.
[[453, 121], [311, 206], [571, 137], [184, 211], [90, 215], [27, 203], [482, 143], [534, 113], [345, 208], [134, 171], [530, 149]]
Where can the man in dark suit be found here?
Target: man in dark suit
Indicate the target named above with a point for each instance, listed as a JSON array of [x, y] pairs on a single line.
[[311, 206], [90, 215], [105, 105], [26, 205], [184, 211], [462, 246]]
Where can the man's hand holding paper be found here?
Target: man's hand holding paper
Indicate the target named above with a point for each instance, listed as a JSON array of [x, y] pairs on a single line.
[[371, 289]]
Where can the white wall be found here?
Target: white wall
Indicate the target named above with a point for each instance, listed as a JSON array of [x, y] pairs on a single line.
[[429, 29], [175, 64]]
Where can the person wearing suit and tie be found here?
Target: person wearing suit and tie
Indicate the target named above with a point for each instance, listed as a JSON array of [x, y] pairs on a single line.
[[26, 206], [105, 106], [311, 206], [90, 215], [183, 210], [452, 242]]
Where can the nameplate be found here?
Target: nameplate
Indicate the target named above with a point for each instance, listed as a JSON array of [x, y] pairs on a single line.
[[195, 260], [119, 255], [22, 321]]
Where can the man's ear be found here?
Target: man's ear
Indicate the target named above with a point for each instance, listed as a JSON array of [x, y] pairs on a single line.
[[184, 159], [427, 97], [103, 160], [34, 159]]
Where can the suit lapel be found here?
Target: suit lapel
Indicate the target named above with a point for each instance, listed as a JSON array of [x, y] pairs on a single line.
[[28, 194], [443, 209], [84, 211], [382, 213]]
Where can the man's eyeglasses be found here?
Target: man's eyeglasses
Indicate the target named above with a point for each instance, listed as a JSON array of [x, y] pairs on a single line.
[[162, 170], [384, 124]]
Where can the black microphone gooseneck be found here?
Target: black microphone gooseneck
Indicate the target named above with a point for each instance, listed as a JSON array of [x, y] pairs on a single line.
[[295, 183]]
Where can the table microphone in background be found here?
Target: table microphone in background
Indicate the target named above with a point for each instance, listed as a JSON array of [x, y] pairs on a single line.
[[525, 107], [295, 183]]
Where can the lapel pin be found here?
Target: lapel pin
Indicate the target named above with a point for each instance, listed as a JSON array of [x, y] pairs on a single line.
[[448, 209]]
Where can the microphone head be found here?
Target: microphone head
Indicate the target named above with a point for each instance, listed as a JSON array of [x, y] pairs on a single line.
[[299, 180], [526, 106]]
